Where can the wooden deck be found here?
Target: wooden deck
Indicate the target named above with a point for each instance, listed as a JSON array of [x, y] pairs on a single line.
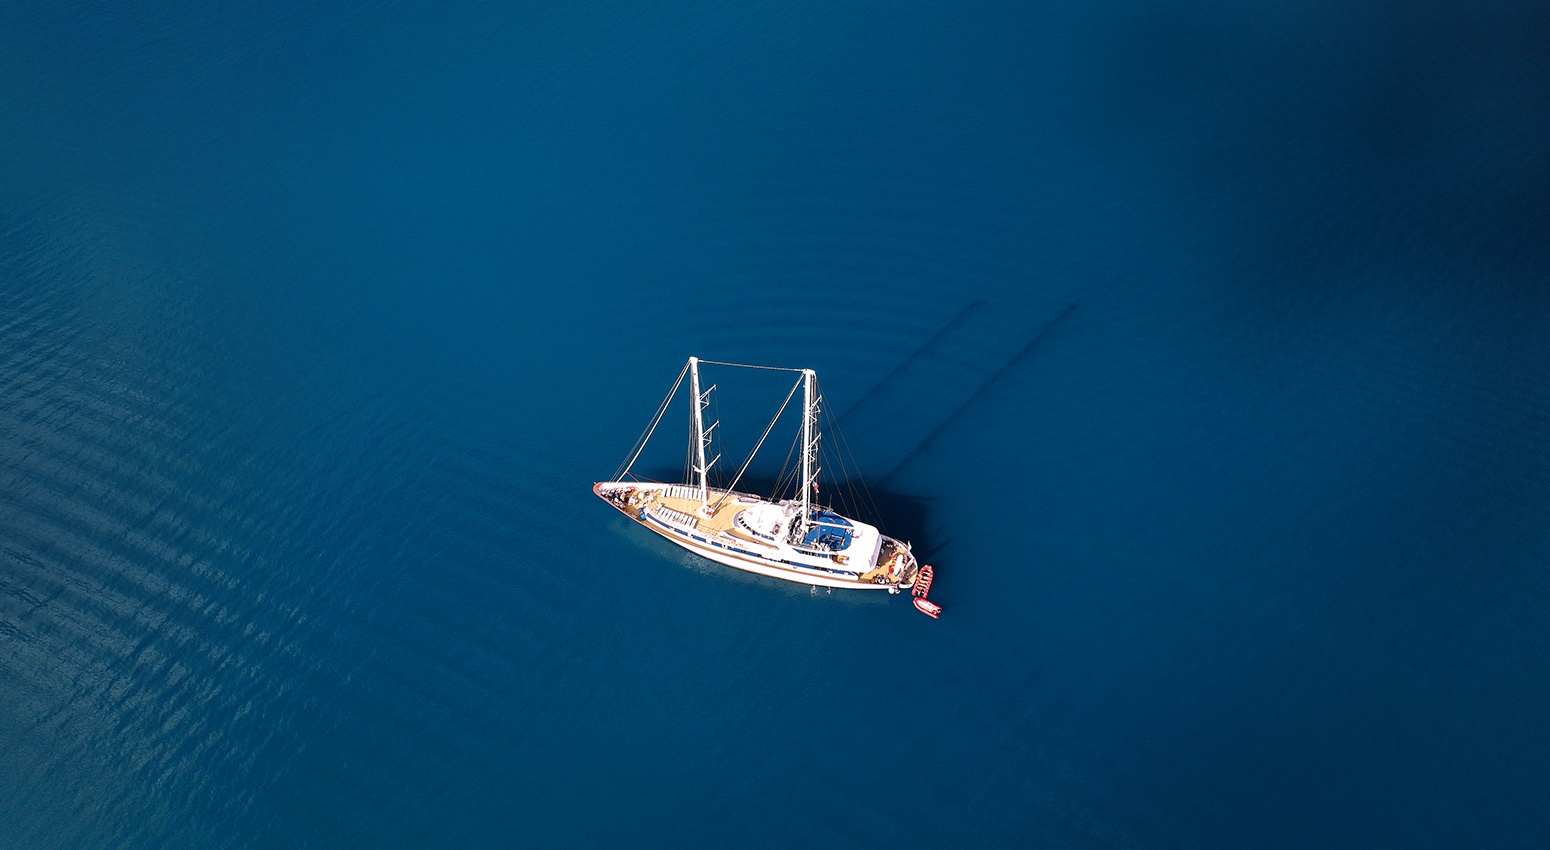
[[718, 522]]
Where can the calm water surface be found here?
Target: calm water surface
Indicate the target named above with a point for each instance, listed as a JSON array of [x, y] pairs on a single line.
[[1206, 350]]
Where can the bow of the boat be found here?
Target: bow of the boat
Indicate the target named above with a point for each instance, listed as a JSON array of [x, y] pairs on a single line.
[[615, 493]]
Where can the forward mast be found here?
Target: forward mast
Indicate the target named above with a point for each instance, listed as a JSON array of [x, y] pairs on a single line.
[[702, 435]]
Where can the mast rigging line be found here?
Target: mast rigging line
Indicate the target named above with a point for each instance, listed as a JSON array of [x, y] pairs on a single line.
[[781, 479], [749, 366], [645, 437], [842, 451], [814, 414], [767, 429]]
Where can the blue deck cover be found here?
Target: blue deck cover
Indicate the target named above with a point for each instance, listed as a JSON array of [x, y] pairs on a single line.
[[829, 530]]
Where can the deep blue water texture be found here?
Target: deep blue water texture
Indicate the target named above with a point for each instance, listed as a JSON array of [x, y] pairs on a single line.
[[1204, 347]]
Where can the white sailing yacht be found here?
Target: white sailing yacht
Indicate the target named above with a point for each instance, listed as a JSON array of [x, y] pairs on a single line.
[[792, 539]]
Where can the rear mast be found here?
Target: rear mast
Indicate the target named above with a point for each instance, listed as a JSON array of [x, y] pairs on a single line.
[[809, 444]]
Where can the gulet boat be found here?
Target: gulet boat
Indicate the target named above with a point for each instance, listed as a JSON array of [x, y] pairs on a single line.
[[795, 539]]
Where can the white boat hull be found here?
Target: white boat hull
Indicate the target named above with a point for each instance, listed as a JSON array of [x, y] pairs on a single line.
[[767, 569], [757, 565]]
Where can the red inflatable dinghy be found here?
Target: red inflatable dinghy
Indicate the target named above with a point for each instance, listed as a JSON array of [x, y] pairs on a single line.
[[924, 606], [923, 587]]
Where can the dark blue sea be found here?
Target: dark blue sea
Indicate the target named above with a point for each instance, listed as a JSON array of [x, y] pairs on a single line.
[[1204, 348]]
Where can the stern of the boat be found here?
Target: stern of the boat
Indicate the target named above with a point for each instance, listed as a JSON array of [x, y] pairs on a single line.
[[898, 563]]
